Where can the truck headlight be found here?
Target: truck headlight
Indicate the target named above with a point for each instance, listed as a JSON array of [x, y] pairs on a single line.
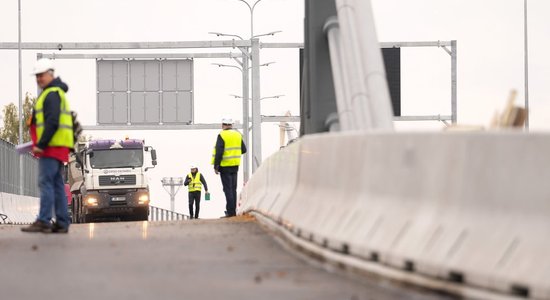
[[143, 199], [91, 201]]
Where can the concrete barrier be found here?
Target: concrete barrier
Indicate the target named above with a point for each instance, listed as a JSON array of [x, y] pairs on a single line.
[[19, 210], [255, 189], [473, 209]]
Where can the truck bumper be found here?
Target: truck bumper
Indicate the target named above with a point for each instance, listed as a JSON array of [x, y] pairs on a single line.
[[117, 204]]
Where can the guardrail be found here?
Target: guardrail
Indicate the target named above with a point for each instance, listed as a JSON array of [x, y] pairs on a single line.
[[161, 214], [465, 211], [9, 171], [22, 210]]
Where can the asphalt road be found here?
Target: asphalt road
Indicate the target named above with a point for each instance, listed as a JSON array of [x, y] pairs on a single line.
[[212, 259]]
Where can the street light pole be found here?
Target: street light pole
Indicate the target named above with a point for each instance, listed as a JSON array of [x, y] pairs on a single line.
[[225, 34], [172, 183], [246, 124], [252, 20], [526, 63], [255, 80], [21, 175], [256, 107], [251, 8]]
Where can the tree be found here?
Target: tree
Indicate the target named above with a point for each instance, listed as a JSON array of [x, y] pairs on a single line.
[[10, 130]]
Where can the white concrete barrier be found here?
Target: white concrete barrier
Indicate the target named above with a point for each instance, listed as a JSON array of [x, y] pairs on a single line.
[[18, 209], [467, 208], [255, 189], [282, 172]]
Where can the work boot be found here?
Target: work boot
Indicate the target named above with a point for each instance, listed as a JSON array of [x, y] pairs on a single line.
[[38, 226], [56, 228]]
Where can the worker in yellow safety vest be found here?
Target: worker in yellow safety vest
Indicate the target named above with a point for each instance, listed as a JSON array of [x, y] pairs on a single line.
[[226, 160], [51, 130], [194, 181]]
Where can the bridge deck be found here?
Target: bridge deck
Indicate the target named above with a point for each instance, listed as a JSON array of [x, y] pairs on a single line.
[[215, 259]]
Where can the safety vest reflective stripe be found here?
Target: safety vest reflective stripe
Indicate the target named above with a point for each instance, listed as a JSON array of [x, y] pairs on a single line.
[[195, 185], [63, 136], [60, 126], [63, 111], [231, 157], [232, 150], [229, 149]]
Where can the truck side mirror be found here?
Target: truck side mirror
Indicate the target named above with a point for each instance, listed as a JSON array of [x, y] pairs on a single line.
[[153, 159]]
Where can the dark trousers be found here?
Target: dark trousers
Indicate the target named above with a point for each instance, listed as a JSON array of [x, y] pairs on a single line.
[[229, 182], [52, 192], [194, 198]]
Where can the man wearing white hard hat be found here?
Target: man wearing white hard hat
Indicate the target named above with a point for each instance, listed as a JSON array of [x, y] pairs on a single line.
[[51, 128], [195, 181], [226, 160]]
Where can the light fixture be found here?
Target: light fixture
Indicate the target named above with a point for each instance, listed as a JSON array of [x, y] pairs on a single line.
[[91, 201], [143, 199]]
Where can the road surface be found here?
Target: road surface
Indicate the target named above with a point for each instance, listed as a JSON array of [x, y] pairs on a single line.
[[200, 259]]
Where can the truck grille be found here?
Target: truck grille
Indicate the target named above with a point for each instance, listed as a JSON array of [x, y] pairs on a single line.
[[114, 180]]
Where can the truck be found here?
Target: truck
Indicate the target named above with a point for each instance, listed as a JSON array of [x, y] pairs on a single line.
[[108, 181]]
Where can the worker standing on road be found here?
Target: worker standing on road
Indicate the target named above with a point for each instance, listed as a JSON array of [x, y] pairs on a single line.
[[51, 127], [195, 181], [226, 160]]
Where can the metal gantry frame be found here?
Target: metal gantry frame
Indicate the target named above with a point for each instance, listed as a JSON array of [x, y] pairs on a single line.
[[243, 62], [250, 51], [243, 55], [132, 56], [450, 47]]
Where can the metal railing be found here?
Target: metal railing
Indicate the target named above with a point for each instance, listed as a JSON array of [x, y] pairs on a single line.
[[161, 214], [9, 171]]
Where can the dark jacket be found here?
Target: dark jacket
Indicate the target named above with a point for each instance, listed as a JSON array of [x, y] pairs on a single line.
[[220, 146], [52, 110], [203, 181]]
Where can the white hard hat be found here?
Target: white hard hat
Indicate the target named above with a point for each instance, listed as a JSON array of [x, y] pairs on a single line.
[[193, 167], [227, 120], [42, 65]]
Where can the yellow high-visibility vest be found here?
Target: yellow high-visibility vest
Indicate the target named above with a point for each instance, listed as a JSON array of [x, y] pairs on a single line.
[[195, 185], [63, 137], [232, 152]]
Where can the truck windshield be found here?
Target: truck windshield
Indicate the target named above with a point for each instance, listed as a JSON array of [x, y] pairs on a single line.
[[117, 158]]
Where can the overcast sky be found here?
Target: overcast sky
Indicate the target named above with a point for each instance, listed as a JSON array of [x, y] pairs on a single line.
[[490, 62]]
